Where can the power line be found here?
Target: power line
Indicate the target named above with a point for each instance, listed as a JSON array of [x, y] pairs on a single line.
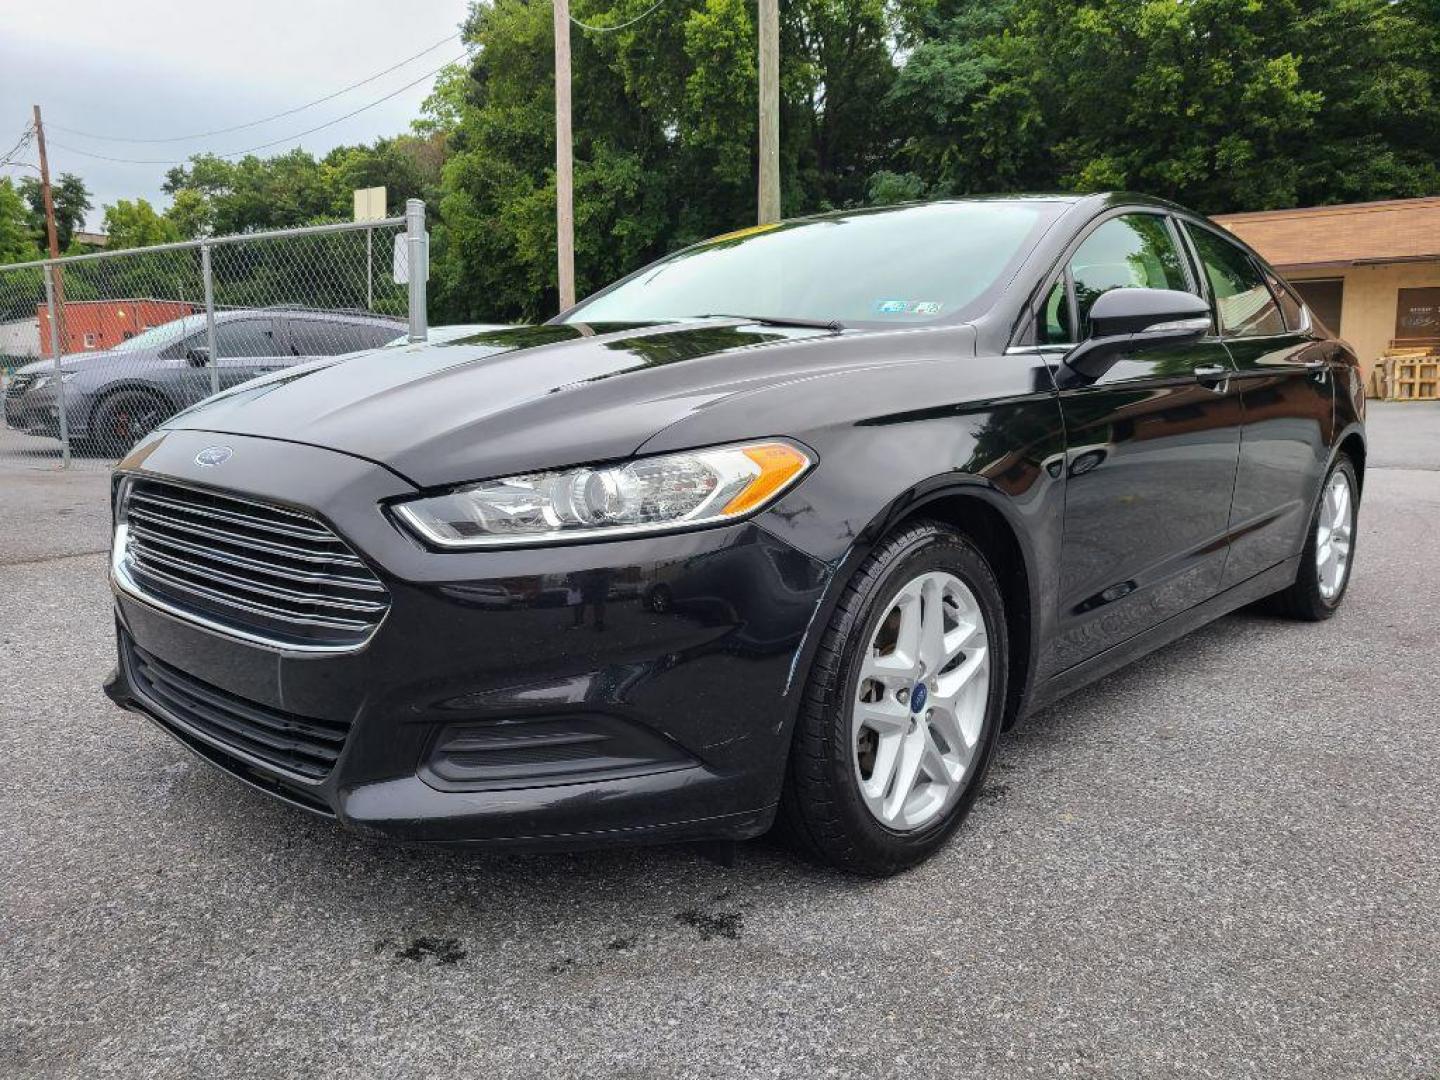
[[273, 142], [20, 145], [620, 26], [265, 119]]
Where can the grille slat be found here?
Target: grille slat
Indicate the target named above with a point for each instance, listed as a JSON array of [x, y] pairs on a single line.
[[269, 592], [299, 746], [245, 521], [268, 571], [243, 541], [227, 558], [201, 592]]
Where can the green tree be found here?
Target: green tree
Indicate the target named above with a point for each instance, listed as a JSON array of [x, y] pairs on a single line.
[[71, 200], [137, 224], [665, 127], [191, 213], [16, 242], [1222, 104]]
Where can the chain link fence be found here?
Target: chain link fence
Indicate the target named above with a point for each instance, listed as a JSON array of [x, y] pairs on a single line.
[[96, 350]]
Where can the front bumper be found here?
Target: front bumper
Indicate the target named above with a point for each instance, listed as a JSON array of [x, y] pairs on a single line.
[[619, 692], [37, 412]]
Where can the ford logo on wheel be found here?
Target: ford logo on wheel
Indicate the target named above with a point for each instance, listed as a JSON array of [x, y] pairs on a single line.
[[213, 455]]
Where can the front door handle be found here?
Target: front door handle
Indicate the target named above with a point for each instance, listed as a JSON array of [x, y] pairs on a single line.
[[1214, 377]]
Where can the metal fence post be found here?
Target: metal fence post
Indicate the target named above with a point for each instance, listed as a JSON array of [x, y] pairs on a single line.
[[208, 275], [59, 370], [369, 269], [419, 265]]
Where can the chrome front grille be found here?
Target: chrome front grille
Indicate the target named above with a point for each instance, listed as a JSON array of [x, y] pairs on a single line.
[[263, 571]]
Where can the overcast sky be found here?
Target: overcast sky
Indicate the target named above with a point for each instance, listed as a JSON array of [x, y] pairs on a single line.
[[162, 68]]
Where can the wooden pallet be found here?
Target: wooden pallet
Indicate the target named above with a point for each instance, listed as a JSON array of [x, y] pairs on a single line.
[[1415, 378]]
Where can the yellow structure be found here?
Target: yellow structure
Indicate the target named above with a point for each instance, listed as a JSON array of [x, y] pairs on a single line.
[[1370, 271]]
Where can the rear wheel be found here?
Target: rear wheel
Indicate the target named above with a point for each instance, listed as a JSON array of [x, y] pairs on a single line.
[[903, 706], [123, 419], [1329, 552]]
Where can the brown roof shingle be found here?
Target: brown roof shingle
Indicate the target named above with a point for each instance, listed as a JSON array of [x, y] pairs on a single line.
[[1399, 229]]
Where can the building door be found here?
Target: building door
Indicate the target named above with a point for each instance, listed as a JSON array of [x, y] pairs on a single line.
[[1325, 297]]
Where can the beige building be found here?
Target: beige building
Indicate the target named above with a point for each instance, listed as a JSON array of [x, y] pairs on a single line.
[[1370, 271]]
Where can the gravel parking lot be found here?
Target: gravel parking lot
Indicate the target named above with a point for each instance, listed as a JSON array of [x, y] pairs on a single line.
[[1222, 861]]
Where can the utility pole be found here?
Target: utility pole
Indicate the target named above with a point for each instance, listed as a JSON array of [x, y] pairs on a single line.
[[564, 158], [769, 202], [51, 235]]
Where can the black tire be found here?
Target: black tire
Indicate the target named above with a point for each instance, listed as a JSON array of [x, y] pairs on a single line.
[[123, 419], [1304, 600], [821, 809]]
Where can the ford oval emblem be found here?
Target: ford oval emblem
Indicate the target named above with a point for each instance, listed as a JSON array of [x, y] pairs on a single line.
[[213, 455]]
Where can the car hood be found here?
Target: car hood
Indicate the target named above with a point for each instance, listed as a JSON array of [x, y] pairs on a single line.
[[524, 398], [72, 362]]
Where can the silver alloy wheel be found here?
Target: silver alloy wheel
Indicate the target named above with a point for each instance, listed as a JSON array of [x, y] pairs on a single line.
[[1333, 532], [920, 701]]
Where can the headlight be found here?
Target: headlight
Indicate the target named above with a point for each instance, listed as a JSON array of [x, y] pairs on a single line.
[[647, 495], [42, 381]]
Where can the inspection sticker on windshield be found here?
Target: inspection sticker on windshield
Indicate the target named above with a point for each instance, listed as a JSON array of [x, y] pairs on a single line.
[[908, 307]]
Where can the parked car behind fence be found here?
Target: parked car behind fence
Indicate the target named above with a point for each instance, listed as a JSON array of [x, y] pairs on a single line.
[[277, 297], [115, 397]]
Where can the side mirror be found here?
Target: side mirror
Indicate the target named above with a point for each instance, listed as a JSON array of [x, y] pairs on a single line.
[[1129, 320], [199, 356]]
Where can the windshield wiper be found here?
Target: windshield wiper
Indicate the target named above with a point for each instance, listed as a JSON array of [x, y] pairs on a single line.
[[833, 325]]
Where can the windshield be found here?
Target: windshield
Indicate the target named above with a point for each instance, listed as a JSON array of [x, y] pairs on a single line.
[[913, 264], [164, 334]]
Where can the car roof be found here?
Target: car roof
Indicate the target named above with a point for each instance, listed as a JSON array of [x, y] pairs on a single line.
[[311, 313], [1090, 200]]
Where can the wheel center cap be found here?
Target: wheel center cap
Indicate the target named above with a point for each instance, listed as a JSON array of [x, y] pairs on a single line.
[[918, 694]]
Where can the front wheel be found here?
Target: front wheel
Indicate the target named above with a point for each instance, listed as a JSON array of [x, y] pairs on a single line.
[[903, 706], [123, 419], [1329, 552]]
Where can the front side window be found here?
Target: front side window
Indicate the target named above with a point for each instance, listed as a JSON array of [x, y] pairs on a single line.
[[1242, 299], [245, 337], [916, 264], [1055, 317], [173, 333], [1133, 251]]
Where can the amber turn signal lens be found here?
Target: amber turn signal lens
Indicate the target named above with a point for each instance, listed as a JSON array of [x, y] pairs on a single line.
[[779, 464]]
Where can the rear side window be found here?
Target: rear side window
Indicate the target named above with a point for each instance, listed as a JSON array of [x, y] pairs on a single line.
[[1133, 251], [331, 337], [1243, 300]]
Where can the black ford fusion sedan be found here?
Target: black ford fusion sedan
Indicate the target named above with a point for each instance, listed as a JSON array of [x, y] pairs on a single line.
[[787, 526]]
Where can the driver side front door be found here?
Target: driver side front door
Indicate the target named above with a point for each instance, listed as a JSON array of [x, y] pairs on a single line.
[[246, 348], [1152, 446]]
